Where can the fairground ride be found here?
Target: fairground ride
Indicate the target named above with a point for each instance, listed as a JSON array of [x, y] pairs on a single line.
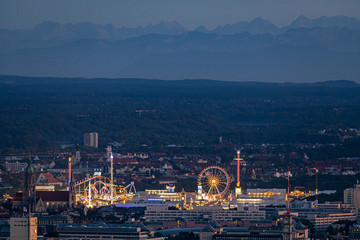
[[213, 183], [100, 191]]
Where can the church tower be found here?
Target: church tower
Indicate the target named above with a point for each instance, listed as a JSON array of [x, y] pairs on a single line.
[[29, 198], [77, 155], [71, 188], [72, 195]]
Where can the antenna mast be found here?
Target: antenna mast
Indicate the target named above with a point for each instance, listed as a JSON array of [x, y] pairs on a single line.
[[288, 191], [316, 181]]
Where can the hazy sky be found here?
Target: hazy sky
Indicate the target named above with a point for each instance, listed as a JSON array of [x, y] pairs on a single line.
[[189, 13]]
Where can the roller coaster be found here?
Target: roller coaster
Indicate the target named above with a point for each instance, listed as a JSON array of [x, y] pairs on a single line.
[[100, 191]]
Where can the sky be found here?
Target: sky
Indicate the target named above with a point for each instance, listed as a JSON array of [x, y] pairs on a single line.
[[24, 14]]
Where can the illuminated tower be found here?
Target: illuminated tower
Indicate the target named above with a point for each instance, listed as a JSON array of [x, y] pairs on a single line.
[[89, 195], [69, 180], [71, 187], [112, 178], [238, 187]]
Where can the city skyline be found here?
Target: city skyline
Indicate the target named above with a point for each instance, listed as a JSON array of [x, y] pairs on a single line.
[[218, 120]]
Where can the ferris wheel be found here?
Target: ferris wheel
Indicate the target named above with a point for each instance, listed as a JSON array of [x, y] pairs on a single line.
[[214, 181]]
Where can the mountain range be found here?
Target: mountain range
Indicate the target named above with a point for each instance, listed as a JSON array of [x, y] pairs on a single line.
[[306, 50]]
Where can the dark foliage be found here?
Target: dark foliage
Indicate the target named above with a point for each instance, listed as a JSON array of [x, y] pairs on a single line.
[[40, 113]]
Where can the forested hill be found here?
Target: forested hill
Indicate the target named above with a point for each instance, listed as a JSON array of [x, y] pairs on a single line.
[[42, 113]]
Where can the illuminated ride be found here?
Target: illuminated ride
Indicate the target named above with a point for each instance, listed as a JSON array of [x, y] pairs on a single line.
[[299, 193], [99, 191], [213, 182]]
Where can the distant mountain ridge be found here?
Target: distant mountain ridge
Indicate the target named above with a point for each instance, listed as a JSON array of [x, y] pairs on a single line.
[[263, 26], [336, 21], [48, 34], [307, 50], [24, 80], [256, 26]]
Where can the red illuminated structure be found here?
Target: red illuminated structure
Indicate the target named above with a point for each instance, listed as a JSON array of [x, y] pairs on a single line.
[[238, 187], [68, 188]]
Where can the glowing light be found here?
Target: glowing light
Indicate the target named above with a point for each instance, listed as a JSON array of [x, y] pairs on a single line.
[[96, 191], [213, 182]]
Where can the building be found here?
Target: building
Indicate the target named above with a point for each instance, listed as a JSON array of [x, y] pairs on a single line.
[[301, 231], [45, 188], [288, 226], [198, 213], [354, 232], [352, 196], [47, 179], [4, 229], [323, 215], [23, 228], [47, 224], [41, 201], [54, 219], [45, 201], [167, 194], [205, 232], [253, 233], [323, 218], [323, 221], [52, 200], [248, 236], [15, 166], [105, 231], [91, 140]]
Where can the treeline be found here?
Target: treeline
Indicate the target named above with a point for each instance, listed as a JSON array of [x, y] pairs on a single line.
[[41, 113]]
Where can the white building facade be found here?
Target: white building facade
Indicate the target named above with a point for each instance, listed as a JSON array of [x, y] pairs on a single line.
[[166, 213]]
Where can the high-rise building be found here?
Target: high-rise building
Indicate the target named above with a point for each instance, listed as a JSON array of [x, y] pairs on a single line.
[[23, 228], [352, 196], [287, 231], [91, 140]]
